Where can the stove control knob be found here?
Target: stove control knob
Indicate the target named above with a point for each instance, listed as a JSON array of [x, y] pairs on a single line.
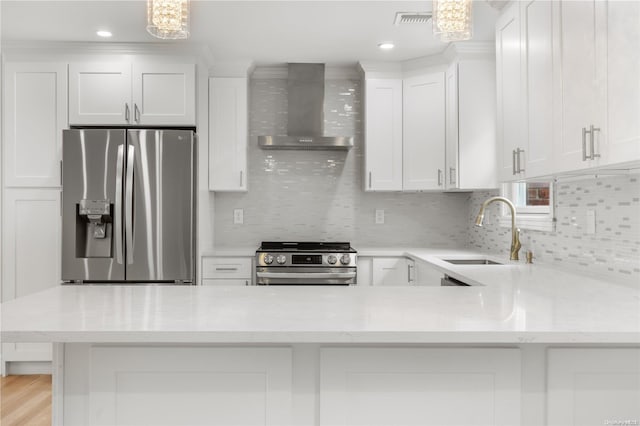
[[331, 259], [281, 259], [345, 259], [268, 259]]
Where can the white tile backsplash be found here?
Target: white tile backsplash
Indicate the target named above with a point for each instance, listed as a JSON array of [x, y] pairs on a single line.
[[614, 249], [318, 195]]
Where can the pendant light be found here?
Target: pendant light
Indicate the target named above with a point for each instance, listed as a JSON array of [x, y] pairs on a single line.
[[452, 19], [168, 19]]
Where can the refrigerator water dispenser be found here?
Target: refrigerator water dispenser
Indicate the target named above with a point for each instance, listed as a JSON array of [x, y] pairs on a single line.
[[94, 228]]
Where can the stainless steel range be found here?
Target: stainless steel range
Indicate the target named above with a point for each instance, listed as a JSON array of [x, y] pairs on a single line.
[[305, 263]]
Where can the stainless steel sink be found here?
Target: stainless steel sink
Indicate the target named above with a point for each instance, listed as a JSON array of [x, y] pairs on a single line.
[[472, 262]]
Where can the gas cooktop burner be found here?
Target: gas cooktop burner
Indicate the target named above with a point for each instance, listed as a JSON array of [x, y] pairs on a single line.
[[306, 246]]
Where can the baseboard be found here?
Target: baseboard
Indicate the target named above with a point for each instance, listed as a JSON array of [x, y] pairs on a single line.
[[28, 367]]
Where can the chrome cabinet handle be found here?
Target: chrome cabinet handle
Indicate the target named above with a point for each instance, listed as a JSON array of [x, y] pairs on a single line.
[[369, 179], [519, 151], [513, 161], [118, 205], [241, 178], [126, 112], [592, 131], [129, 204], [452, 173], [439, 177], [409, 279], [584, 144], [226, 269], [136, 113]]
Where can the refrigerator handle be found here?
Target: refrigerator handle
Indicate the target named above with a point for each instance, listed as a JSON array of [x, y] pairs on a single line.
[[128, 204], [118, 204]]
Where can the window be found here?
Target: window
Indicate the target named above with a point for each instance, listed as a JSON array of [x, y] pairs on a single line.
[[534, 205]]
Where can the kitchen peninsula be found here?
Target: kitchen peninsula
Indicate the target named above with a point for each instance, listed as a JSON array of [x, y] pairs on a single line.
[[515, 347]]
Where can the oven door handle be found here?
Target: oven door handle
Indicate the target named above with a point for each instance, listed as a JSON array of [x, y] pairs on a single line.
[[303, 275]]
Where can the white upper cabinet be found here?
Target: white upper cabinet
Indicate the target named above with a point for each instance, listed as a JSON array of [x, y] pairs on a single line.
[[228, 134], [35, 112], [580, 143], [121, 94], [471, 125], [508, 51], [623, 81], [383, 135], [537, 67], [164, 94], [423, 140]]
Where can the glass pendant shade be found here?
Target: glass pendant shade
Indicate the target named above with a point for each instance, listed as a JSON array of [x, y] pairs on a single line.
[[452, 19], [168, 19]]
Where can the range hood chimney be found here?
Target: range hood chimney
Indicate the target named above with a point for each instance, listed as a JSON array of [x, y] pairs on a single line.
[[305, 129]]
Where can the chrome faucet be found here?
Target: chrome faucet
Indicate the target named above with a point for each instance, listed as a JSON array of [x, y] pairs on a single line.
[[515, 232]]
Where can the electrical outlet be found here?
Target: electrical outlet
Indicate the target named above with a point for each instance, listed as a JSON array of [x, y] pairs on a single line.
[[591, 222], [238, 216], [379, 216]]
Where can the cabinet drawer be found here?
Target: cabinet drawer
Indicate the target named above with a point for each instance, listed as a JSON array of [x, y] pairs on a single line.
[[228, 281], [226, 267]]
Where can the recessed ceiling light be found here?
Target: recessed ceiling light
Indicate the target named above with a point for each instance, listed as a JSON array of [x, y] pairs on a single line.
[[104, 33], [386, 46]]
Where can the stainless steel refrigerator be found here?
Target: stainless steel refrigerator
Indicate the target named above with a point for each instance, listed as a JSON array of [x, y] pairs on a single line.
[[128, 206]]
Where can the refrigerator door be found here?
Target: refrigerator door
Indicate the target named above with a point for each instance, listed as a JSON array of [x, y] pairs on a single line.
[[92, 243], [159, 205]]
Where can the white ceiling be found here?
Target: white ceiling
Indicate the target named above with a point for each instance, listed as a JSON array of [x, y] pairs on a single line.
[[267, 32]]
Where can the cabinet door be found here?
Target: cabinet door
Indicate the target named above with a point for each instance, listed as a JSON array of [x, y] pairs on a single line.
[[578, 70], [623, 81], [227, 282], [423, 135], [228, 134], [508, 49], [451, 155], [419, 386], [592, 386], [476, 126], [383, 135], [392, 271], [427, 275], [35, 112], [164, 94], [31, 236], [100, 93], [537, 44]]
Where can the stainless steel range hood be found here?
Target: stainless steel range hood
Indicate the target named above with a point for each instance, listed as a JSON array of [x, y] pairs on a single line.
[[305, 129]]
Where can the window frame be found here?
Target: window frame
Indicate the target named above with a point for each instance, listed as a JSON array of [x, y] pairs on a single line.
[[538, 218]]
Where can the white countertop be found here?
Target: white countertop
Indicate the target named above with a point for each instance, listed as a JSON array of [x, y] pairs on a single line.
[[511, 303]]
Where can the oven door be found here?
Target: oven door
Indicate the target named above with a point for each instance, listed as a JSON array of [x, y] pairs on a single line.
[[305, 276]]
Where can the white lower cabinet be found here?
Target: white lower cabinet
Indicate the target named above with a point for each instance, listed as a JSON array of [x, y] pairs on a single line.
[[214, 386], [593, 386], [392, 271], [31, 259], [227, 271], [420, 386], [427, 275]]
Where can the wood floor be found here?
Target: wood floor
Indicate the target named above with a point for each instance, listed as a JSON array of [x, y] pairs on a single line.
[[25, 400]]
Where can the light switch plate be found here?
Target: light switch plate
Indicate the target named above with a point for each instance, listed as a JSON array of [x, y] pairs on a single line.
[[238, 216], [379, 216]]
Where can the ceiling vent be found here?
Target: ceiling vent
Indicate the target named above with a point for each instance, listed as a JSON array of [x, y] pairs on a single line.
[[405, 18]]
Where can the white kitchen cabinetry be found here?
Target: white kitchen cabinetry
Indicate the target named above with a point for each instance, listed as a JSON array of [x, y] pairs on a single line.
[[365, 266], [623, 83], [471, 125], [383, 135], [392, 271], [35, 112], [177, 386], [423, 132], [427, 275], [118, 93], [419, 386], [227, 271], [593, 386], [228, 134], [31, 258], [508, 88]]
